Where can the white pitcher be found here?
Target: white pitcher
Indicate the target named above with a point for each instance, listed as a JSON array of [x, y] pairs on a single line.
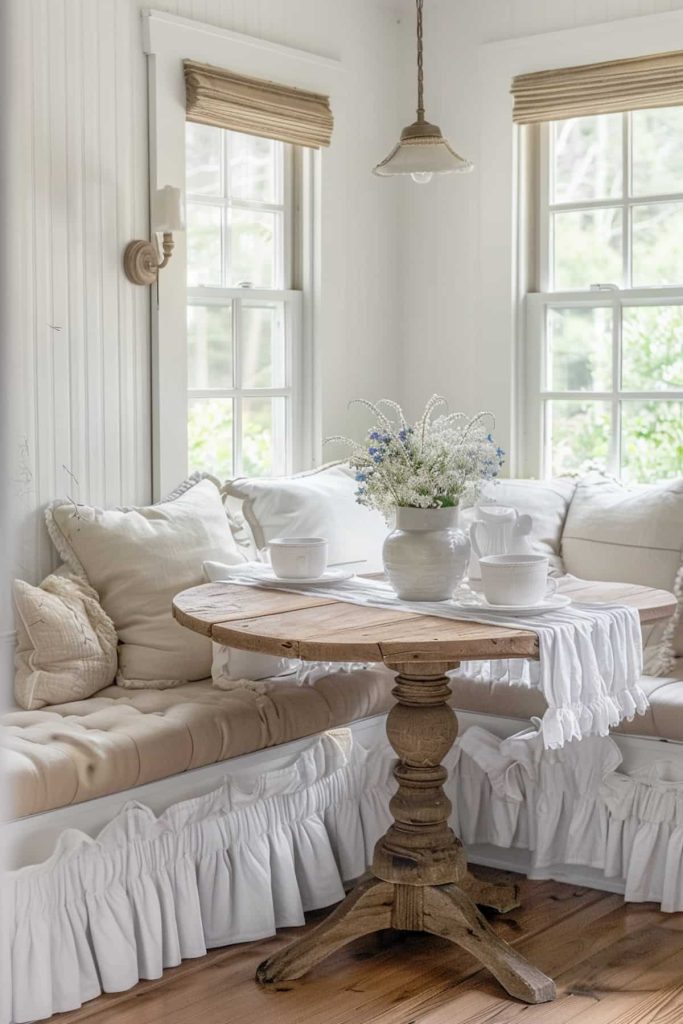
[[498, 530]]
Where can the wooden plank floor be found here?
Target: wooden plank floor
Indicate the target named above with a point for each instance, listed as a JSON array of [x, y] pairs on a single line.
[[613, 963]]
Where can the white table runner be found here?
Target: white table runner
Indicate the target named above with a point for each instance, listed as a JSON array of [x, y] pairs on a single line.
[[591, 655]]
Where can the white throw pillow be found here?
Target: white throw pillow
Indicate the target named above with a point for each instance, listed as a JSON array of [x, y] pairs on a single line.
[[546, 501], [138, 559], [66, 643], [630, 535], [317, 504]]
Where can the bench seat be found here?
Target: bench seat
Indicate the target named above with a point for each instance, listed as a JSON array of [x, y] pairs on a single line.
[[124, 738]]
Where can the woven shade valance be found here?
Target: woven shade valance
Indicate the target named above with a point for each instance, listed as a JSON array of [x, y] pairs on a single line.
[[616, 85], [220, 98]]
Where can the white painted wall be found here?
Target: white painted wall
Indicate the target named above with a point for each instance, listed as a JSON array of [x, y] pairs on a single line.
[[448, 345]]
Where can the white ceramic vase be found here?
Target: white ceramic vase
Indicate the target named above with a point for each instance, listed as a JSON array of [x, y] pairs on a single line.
[[426, 555]]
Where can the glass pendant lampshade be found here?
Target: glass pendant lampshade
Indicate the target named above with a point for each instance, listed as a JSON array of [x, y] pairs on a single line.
[[422, 150]]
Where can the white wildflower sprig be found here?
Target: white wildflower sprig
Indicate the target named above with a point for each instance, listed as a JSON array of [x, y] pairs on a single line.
[[431, 464]]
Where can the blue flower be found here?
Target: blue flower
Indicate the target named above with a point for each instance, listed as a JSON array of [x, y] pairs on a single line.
[[377, 458], [375, 435], [361, 477]]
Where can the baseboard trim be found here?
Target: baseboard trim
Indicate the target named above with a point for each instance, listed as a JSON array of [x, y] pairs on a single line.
[[520, 861]]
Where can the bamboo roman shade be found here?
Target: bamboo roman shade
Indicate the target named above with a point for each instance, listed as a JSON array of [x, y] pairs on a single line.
[[607, 88], [222, 99]]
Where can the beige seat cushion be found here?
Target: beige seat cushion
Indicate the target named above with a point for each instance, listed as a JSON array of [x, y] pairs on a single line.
[[663, 719], [124, 738]]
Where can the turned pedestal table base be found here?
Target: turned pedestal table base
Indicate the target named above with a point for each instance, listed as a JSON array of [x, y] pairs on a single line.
[[419, 879]]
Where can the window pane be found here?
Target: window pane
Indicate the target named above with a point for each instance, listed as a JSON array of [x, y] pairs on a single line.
[[657, 151], [651, 441], [587, 158], [254, 168], [264, 435], [587, 248], [578, 436], [254, 241], [203, 245], [209, 346], [579, 350], [263, 346], [657, 244], [652, 348], [203, 160], [209, 435]]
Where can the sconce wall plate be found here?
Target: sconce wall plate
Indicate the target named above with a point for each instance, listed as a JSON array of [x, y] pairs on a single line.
[[141, 259]]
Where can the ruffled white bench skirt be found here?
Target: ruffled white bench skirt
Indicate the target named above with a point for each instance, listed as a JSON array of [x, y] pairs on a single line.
[[250, 857]]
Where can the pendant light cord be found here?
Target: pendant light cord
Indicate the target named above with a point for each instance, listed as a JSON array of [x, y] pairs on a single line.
[[420, 70]]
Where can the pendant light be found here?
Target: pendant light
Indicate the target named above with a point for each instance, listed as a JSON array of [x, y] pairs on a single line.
[[422, 150]]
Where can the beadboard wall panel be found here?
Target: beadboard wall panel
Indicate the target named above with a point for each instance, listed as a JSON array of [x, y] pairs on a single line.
[[79, 382]]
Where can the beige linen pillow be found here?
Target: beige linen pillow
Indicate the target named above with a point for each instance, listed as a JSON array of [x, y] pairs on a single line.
[[66, 643], [138, 559], [631, 535]]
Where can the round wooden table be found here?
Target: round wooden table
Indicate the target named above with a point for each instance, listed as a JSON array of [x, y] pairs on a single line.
[[419, 879]]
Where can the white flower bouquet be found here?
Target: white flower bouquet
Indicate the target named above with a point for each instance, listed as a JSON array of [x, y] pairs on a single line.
[[429, 464]]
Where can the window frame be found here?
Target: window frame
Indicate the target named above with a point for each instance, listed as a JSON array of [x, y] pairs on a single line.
[[169, 40], [236, 297], [535, 394]]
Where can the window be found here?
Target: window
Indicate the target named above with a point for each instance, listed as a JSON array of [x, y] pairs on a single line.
[[605, 332], [243, 316]]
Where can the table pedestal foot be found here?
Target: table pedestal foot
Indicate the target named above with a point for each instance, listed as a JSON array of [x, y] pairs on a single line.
[[450, 913], [444, 910], [500, 896], [366, 909]]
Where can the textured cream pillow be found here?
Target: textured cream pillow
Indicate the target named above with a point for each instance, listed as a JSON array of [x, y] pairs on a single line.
[[138, 559], [630, 535], [66, 643]]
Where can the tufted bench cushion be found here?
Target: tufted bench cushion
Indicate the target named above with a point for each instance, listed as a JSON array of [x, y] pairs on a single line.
[[663, 719], [124, 738]]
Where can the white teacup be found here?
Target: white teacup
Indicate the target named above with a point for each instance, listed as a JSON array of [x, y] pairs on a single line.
[[298, 558], [516, 579]]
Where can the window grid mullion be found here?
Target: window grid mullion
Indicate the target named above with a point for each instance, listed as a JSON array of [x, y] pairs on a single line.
[[225, 231], [237, 382], [615, 440], [625, 193]]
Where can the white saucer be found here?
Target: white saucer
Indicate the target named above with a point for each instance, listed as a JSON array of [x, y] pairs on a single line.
[[550, 604], [329, 577]]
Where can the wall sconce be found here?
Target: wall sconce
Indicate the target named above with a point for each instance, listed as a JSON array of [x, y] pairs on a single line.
[[142, 260]]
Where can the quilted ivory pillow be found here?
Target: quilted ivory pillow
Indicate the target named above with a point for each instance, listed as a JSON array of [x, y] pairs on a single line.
[[321, 503], [66, 643], [138, 559], [631, 535]]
